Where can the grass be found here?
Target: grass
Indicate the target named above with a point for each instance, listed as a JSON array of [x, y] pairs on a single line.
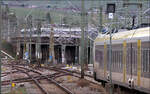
[[83, 83], [19, 90]]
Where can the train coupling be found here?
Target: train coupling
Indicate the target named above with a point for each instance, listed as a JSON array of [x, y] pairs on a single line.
[[131, 82], [108, 76]]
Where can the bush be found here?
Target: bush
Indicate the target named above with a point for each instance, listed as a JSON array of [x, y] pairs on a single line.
[[8, 48]]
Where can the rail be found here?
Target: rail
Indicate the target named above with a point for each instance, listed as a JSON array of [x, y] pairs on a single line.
[[48, 78]]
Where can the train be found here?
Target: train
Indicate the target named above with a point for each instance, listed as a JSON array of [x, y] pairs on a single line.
[[129, 64]]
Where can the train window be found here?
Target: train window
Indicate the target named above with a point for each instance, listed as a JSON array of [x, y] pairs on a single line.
[[116, 60], [99, 57], [121, 59], [148, 60], [145, 55], [128, 64], [134, 61]]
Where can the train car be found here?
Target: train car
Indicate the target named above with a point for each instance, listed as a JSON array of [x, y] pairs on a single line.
[[130, 66]]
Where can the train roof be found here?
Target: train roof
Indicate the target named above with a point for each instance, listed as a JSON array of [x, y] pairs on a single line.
[[125, 35]]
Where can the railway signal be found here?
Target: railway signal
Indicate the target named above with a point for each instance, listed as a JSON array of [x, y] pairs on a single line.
[[110, 8], [110, 11]]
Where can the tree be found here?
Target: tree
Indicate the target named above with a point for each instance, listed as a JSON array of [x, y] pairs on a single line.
[[64, 20], [29, 21], [12, 19], [5, 13], [7, 9], [48, 18]]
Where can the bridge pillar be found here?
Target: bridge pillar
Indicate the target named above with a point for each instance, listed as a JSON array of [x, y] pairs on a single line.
[[76, 54], [27, 48], [38, 51], [18, 51], [79, 54], [63, 48]]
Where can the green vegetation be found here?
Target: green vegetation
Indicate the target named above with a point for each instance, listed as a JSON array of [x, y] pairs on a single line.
[[9, 48], [19, 90], [56, 15]]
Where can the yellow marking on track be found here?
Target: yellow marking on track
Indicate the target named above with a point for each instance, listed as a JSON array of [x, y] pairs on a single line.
[[124, 60], [3, 69], [13, 84], [42, 65], [70, 66], [138, 62]]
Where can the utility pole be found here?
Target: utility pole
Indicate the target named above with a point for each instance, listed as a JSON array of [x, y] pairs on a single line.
[[100, 19], [18, 42], [24, 50], [76, 52], [51, 47], [110, 11], [82, 39], [39, 55], [110, 60], [29, 22], [51, 43], [0, 40], [86, 41], [91, 51]]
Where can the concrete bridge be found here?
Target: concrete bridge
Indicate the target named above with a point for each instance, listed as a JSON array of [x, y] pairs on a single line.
[[66, 44]]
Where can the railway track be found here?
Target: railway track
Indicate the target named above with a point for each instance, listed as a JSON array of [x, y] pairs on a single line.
[[49, 79], [66, 71], [27, 79], [9, 72], [55, 78], [73, 73], [35, 81]]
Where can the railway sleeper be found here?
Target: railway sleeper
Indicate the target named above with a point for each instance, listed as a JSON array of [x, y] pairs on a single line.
[[49, 79], [35, 81]]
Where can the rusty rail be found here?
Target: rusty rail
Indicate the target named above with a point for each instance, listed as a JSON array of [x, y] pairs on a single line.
[[48, 78], [33, 79]]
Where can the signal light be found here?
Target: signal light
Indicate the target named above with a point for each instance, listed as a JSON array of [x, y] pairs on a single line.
[[111, 8]]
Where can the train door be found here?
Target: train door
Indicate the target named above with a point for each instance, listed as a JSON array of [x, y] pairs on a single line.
[[132, 64], [131, 53]]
